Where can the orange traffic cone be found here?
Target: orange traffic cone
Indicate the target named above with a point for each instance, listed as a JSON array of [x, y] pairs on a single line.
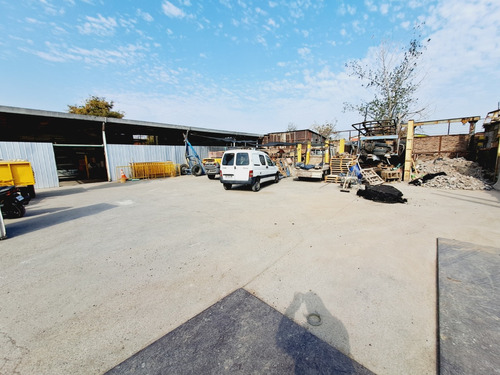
[[123, 177]]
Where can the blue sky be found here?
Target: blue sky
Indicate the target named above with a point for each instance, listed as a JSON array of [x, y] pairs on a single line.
[[253, 66]]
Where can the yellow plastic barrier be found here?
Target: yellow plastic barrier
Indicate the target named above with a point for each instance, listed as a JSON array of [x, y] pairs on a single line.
[[149, 170]]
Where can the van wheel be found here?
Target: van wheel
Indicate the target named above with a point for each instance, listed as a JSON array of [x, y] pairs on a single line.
[[227, 186], [277, 178], [211, 176], [256, 185], [197, 170]]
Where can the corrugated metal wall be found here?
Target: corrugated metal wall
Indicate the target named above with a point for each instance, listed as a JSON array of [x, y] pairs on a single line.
[[123, 155], [40, 155], [42, 158]]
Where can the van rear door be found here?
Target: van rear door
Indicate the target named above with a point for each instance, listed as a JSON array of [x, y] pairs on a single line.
[[236, 166], [227, 166]]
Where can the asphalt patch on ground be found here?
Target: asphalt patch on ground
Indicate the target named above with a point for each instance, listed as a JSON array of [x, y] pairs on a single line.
[[239, 335], [469, 308]]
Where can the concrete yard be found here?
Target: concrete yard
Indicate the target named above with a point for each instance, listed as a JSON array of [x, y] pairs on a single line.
[[94, 273]]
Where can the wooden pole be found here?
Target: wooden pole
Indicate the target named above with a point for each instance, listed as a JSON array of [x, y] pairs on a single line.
[[409, 150]]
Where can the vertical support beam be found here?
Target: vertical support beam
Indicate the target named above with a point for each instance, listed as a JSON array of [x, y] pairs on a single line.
[[105, 146], [87, 167], [498, 158], [342, 145], [409, 150], [308, 152], [3, 231], [299, 153], [327, 152], [472, 127]]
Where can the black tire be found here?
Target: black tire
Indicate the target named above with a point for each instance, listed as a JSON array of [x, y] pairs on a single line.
[[31, 191], [14, 211], [227, 186], [211, 176], [277, 178], [197, 170], [256, 185], [184, 169]]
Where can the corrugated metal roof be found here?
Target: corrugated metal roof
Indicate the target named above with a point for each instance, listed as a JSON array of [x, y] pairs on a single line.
[[72, 116]]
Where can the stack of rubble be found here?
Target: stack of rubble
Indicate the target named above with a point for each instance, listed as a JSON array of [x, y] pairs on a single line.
[[461, 174]]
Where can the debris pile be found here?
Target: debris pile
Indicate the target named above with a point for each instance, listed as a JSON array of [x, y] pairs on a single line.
[[459, 174]]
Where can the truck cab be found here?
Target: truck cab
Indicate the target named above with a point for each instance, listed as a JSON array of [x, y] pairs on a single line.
[[247, 167]]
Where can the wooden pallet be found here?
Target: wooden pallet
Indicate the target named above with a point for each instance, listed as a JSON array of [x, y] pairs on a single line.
[[339, 167], [371, 177]]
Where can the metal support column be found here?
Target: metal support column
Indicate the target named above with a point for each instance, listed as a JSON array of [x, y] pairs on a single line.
[[3, 231], [105, 145]]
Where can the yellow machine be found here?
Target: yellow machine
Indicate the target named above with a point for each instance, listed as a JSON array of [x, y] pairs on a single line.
[[317, 161], [18, 173]]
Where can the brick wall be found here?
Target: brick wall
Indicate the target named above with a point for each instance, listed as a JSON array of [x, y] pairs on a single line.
[[441, 145]]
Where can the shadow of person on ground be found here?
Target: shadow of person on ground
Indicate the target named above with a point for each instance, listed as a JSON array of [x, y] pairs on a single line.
[[311, 354]]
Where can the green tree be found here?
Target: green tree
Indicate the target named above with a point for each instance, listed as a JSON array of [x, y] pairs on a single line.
[[326, 130], [96, 106], [394, 80]]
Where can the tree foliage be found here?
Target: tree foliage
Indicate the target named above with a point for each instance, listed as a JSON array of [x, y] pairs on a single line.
[[96, 106], [394, 80], [291, 127], [326, 130]]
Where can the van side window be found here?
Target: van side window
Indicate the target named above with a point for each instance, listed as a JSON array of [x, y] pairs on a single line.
[[269, 161], [242, 158], [228, 159], [255, 160], [262, 159]]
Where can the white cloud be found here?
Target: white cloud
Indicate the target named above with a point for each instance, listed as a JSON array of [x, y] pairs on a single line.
[[260, 11], [261, 40], [371, 7], [272, 23], [172, 11], [461, 62], [123, 55], [405, 25], [145, 16], [102, 26], [384, 8], [304, 52], [347, 9]]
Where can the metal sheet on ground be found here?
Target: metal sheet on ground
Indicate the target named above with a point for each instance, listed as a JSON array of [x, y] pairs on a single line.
[[239, 334], [469, 308]]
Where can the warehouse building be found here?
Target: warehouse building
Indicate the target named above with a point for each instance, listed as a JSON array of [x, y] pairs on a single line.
[[64, 146]]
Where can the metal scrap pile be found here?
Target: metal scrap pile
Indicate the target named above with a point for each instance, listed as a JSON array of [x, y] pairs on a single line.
[[460, 173]]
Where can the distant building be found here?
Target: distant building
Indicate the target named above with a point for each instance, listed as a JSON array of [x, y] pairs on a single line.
[[295, 136]]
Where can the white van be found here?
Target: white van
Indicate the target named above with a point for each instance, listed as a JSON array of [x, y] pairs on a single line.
[[247, 167]]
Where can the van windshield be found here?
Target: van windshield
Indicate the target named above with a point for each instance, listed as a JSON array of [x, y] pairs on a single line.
[[228, 159], [242, 159]]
